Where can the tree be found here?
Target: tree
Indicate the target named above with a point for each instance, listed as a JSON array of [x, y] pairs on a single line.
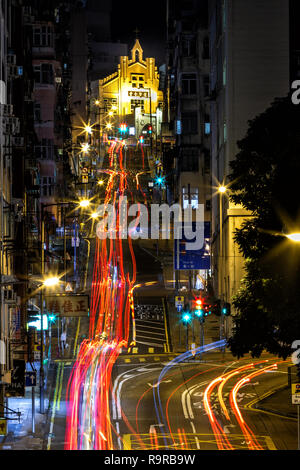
[[265, 179]]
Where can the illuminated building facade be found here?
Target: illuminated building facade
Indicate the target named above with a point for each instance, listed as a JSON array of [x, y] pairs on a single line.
[[133, 92]]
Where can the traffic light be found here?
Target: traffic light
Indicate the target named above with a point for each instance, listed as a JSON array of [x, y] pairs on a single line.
[[149, 129], [123, 129], [226, 310], [186, 317], [216, 308], [207, 310]]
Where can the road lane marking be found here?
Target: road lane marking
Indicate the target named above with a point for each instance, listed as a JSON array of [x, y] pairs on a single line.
[[54, 407], [166, 329], [118, 384], [76, 337], [270, 443], [60, 387]]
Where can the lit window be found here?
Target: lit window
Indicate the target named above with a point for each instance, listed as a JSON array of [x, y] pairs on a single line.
[[190, 199], [207, 128]]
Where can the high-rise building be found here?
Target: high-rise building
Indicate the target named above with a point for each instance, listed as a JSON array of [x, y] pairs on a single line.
[[187, 111], [250, 59]]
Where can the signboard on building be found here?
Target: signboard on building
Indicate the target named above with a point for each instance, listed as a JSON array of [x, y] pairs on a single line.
[[17, 386], [192, 259], [68, 305]]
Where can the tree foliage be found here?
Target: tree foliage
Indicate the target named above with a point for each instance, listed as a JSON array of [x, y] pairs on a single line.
[[265, 179]]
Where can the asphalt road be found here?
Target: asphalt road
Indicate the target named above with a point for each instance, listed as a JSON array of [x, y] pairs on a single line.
[[173, 416]]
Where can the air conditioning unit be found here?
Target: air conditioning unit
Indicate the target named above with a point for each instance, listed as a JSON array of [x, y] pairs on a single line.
[[7, 109], [11, 125], [11, 59], [14, 71], [18, 141]]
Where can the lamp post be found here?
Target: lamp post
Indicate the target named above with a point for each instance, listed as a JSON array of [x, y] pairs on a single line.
[[50, 282], [46, 284], [221, 190], [295, 238]]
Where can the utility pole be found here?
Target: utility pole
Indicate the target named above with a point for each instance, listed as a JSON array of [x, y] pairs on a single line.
[[42, 410]]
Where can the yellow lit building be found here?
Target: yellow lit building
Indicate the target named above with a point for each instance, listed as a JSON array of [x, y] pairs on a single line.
[[131, 94]]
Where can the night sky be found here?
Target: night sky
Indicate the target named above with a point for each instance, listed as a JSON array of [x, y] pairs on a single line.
[[150, 19]]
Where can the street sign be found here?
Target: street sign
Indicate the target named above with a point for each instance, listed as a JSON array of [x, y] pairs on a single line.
[[192, 259], [69, 287], [68, 305], [30, 378], [17, 386], [179, 302], [296, 394], [3, 427]]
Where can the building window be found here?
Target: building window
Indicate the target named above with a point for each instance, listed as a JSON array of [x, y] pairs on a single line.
[[45, 150], [189, 160], [43, 36], [43, 73], [48, 185], [224, 72], [37, 112], [205, 54], [208, 205], [189, 84], [206, 85], [191, 199], [207, 128], [137, 81], [137, 103], [189, 123], [188, 46]]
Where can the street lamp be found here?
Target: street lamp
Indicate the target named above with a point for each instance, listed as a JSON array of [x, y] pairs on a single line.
[[294, 237], [221, 190], [84, 203], [48, 282]]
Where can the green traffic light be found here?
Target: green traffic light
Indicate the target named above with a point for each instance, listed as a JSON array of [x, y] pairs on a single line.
[[186, 317]]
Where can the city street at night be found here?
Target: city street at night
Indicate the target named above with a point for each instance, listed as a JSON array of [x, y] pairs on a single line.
[[150, 260]]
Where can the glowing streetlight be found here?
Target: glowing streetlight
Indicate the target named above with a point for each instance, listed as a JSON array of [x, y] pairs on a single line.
[[51, 281], [222, 189], [97, 102], [88, 129], [108, 125], [114, 108], [294, 237], [95, 215], [111, 113], [85, 147], [84, 203], [100, 182]]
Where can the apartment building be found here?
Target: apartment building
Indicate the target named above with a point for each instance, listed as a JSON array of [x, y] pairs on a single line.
[[249, 67], [189, 119]]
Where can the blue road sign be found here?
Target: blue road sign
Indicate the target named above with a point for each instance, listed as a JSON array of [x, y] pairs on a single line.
[[30, 378], [192, 259]]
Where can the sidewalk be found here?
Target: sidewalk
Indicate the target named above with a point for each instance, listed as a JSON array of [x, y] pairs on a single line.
[[19, 434], [279, 403]]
